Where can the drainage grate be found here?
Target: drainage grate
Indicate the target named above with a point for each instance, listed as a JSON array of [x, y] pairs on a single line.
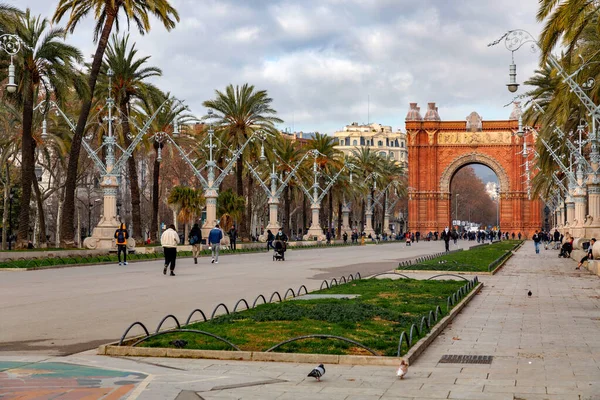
[[465, 359]]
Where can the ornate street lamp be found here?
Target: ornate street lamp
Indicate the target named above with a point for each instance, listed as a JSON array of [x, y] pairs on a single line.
[[12, 45]]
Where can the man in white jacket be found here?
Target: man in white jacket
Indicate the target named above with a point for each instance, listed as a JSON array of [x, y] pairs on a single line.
[[169, 241]]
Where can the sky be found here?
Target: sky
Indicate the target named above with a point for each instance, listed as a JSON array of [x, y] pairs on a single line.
[[328, 63]]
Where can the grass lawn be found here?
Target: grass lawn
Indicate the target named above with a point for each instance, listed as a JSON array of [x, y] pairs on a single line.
[[474, 260], [384, 309]]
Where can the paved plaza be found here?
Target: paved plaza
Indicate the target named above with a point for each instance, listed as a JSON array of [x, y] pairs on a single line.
[[544, 347]]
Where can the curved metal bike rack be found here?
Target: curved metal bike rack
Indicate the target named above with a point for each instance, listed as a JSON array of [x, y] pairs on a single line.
[[326, 284], [305, 290], [322, 337]]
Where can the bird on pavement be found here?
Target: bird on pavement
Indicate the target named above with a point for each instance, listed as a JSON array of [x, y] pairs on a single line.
[[317, 372], [402, 370], [529, 293]]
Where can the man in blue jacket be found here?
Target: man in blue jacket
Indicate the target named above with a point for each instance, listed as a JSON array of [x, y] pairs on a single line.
[[214, 242]]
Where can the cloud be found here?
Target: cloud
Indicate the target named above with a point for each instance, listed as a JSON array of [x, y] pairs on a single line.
[[327, 63]]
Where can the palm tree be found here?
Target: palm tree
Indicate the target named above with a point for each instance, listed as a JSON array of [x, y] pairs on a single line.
[[391, 172], [107, 15], [329, 162], [189, 203], [366, 162], [289, 154], [231, 206], [8, 18], [129, 84], [241, 112], [47, 67], [566, 20]]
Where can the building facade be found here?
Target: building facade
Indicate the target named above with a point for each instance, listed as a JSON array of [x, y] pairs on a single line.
[[379, 138]]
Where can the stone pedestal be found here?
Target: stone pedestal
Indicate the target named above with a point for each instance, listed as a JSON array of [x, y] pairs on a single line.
[[369, 224], [580, 204], [315, 229], [273, 225], [386, 223], [570, 214], [211, 211], [346, 219], [103, 235]]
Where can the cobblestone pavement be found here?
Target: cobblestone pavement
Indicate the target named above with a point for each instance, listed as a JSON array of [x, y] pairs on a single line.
[[544, 347]]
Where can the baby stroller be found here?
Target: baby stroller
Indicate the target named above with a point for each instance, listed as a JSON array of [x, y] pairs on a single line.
[[565, 250], [280, 248]]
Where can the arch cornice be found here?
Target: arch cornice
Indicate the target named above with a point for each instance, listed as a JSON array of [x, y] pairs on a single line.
[[474, 158]]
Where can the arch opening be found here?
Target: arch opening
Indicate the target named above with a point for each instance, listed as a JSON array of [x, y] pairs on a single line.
[[474, 197]]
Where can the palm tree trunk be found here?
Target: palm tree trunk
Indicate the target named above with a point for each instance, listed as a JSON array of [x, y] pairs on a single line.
[[362, 216], [248, 218], [330, 211], [136, 212], [239, 170], [71, 179], [41, 215], [339, 220], [286, 199], [304, 208], [5, 214], [27, 166], [383, 227], [155, 194]]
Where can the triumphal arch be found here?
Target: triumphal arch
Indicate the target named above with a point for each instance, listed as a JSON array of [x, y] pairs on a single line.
[[438, 149]]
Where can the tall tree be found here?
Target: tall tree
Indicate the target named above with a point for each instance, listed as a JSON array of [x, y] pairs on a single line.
[[107, 14], [189, 202], [47, 68], [241, 111], [129, 83]]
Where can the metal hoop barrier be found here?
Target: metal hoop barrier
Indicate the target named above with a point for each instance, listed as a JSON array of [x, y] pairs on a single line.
[[438, 312], [323, 337], [403, 337], [189, 318], [258, 297], [305, 290], [286, 293], [350, 278], [326, 284], [333, 280], [238, 303], [454, 275], [128, 329], [343, 278], [165, 318], [190, 331], [273, 295], [357, 276], [217, 307]]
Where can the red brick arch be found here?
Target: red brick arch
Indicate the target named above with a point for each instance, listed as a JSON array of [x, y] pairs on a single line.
[[438, 149]]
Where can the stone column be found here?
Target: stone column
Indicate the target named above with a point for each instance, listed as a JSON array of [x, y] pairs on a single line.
[[593, 191], [103, 235], [386, 223], [273, 210], [346, 218], [369, 217], [315, 227], [570, 213], [211, 211]]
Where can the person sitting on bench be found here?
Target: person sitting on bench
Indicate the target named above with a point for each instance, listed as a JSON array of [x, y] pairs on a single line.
[[589, 255]]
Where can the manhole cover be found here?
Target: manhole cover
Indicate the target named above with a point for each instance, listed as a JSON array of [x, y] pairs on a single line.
[[325, 296], [465, 359]]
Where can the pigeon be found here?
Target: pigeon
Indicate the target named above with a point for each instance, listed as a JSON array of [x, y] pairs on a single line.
[[402, 370], [529, 293], [179, 343], [318, 372]]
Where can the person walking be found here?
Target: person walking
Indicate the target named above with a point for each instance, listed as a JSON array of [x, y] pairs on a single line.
[[536, 241], [446, 238], [589, 255], [282, 236], [270, 238], [233, 234], [122, 235], [214, 242], [169, 241], [345, 237], [195, 238]]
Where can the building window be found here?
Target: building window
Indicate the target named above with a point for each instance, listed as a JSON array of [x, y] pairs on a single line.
[[383, 154], [391, 155], [402, 143], [380, 143]]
